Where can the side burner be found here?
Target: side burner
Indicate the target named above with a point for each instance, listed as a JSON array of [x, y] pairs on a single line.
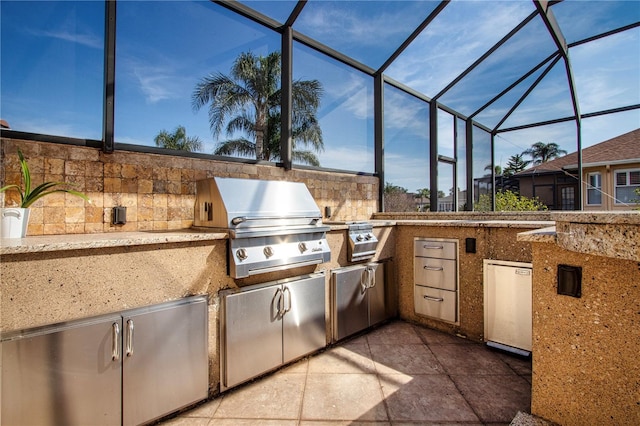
[[362, 241]]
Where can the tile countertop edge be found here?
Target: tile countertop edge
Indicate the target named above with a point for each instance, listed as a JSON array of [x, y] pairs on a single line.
[[65, 242]]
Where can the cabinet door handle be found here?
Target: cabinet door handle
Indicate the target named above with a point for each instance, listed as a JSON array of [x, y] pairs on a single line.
[[115, 347], [372, 277], [433, 247], [279, 303], [433, 268], [284, 293], [129, 337], [434, 299]]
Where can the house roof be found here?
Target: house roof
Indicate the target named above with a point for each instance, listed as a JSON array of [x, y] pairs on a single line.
[[622, 149]]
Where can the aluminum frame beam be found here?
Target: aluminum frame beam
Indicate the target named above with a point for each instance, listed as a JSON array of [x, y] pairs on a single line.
[[108, 110], [487, 54], [435, 12], [527, 93]]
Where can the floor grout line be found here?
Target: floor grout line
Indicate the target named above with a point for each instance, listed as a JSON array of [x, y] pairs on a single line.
[[351, 364]]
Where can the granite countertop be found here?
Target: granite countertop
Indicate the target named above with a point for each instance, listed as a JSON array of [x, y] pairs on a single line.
[[622, 217], [542, 235], [530, 224], [46, 243], [610, 234], [342, 225]]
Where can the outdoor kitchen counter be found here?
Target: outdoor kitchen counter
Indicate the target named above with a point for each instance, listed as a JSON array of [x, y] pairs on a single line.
[[50, 243], [470, 223], [585, 345], [611, 234]]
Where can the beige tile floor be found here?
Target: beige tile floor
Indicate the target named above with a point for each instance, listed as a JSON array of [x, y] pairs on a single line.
[[398, 374]]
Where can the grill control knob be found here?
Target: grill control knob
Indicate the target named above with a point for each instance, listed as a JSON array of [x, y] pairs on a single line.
[[302, 246], [368, 237], [268, 251], [359, 237], [241, 254]]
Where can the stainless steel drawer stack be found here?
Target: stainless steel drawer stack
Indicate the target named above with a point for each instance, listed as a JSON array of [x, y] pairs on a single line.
[[435, 272]]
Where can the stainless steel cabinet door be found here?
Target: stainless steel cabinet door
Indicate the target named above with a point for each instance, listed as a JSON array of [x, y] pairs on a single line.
[[376, 293], [303, 324], [350, 305], [63, 375], [165, 359], [252, 334]]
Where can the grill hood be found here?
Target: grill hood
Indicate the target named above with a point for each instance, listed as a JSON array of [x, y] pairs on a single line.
[[272, 225], [251, 207]]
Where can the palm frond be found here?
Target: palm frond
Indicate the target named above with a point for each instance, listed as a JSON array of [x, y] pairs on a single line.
[[239, 146]]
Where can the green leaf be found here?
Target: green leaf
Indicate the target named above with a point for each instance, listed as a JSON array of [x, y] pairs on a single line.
[[28, 197]]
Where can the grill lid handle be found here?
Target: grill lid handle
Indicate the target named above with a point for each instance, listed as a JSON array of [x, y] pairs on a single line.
[[239, 219]]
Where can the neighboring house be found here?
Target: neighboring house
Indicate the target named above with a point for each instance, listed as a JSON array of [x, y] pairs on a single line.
[[610, 176]]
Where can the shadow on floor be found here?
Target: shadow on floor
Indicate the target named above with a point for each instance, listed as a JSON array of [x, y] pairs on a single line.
[[397, 374]]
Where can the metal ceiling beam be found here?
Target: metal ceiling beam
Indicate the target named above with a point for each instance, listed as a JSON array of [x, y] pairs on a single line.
[[611, 111], [322, 48], [543, 8], [514, 84], [268, 22], [605, 34], [527, 92], [413, 35], [409, 91], [487, 54], [565, 119], [295, 13], [250, 13], [406, 89]]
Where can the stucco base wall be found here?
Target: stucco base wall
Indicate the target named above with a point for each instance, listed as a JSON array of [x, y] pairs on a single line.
[[46, 288], [585, 350]]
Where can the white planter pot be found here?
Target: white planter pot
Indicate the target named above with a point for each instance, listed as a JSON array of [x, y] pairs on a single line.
[[14, 222]]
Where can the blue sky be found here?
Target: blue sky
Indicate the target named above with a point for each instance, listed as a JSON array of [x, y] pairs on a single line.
[[51, 70]]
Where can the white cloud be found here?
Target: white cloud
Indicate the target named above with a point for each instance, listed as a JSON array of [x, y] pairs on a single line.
[[606, 71], [89, 40], [335, 22], [155, 83], [457, 37]]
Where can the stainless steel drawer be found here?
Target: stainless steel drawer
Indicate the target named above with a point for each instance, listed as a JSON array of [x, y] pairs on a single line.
[[438, 273], [432, 302], [435, 248]]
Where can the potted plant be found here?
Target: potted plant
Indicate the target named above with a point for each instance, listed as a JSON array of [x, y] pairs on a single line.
[[14, 220]]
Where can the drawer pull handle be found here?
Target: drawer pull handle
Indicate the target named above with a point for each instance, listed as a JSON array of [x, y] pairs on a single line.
[[433, 268], [433, 247], [434, 299]]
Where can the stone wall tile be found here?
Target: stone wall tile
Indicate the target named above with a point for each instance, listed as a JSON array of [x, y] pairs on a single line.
[[53, 228], [54, 166], [74, 228], [112, 184]]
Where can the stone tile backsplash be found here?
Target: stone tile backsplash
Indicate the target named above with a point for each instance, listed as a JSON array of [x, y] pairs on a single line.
[[157, 190]]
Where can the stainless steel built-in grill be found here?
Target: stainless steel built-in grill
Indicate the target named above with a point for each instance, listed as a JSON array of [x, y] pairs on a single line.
[[362, 242], [272, 225]]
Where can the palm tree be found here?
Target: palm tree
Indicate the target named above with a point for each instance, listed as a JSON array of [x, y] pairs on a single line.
[[248, 100], [541, 152], [423, 193], [178, 140], [497, 169], [515, 164]]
